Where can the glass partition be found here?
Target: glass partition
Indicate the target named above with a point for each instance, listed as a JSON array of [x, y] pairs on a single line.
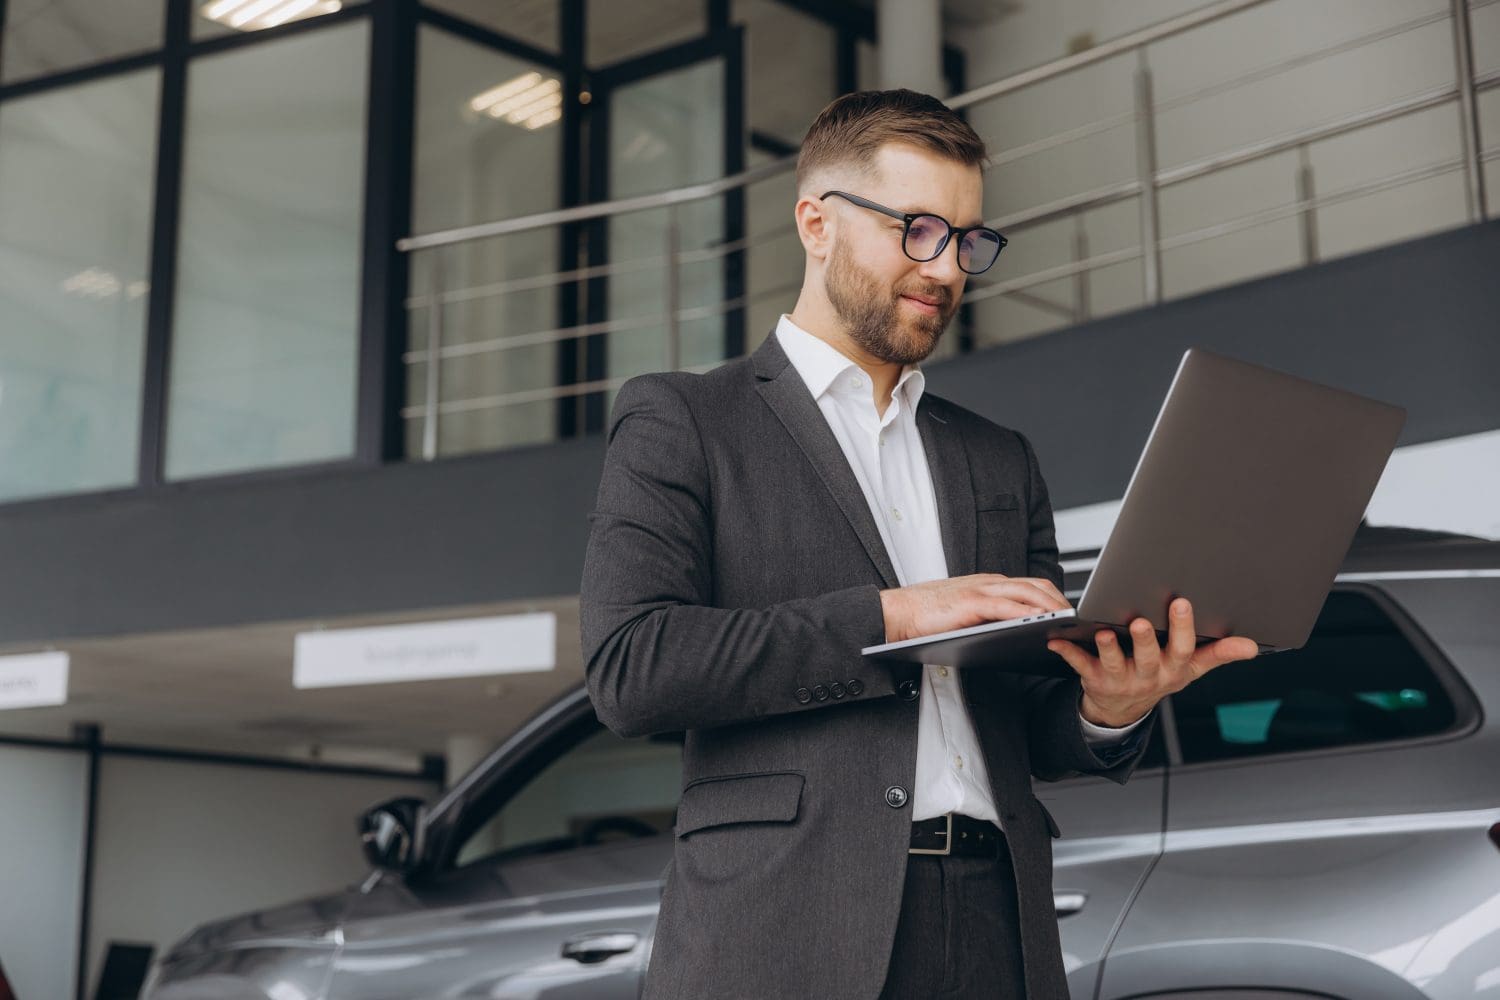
[[41, 37], [76, 179], [265, 338]]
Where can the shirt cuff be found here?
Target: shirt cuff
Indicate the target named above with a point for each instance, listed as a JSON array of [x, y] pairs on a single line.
[[1096, 735]]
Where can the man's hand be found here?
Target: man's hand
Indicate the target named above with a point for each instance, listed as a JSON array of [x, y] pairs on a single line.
[[962, 601], [1119, 689]]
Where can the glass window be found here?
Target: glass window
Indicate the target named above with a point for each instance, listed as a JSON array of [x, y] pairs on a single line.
[[618, 31], [667, 131], [212, 18], [602, 789], [790, 68], [1358, 680], [264, 347], [76, 180], [41, 37], [475, 164], [534, 22]]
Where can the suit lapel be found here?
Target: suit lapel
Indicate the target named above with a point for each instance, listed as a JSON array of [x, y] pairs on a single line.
[[953, 488], [785, 392]]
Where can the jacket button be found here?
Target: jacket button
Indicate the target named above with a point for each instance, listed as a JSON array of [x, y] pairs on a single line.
[[820, 692], [895, 796], [908, 690], [804, 695], [836, 689], [856, 687]]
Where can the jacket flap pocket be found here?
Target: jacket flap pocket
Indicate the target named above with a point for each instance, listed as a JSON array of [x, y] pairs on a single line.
[[996, 501], [773, 797]]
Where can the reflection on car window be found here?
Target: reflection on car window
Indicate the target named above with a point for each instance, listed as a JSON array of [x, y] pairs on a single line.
[[604, 788], [1358, 680]]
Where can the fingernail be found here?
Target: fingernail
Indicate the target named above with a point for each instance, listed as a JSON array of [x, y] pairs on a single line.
[[1179, 607]]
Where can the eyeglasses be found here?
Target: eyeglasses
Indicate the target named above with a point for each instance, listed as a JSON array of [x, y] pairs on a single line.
[[926, 236]]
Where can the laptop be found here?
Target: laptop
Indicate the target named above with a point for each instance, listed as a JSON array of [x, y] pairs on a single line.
[[1245, 501]]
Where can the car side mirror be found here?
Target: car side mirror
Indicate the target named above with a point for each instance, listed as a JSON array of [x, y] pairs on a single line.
[[388, 834]]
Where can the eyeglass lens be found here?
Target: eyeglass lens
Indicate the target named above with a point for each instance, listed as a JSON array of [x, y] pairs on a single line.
[[927, 235]]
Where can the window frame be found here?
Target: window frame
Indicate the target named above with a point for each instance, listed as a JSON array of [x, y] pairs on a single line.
[[1466, 714]]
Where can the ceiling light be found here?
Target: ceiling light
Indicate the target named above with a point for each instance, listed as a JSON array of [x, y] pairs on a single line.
[[530, 100], [253, 15]]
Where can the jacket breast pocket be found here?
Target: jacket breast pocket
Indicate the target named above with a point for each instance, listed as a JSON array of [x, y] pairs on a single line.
[[767, 797], [999, 513]]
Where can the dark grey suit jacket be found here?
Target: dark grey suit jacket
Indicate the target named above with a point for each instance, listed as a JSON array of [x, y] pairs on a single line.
[[733, 574]]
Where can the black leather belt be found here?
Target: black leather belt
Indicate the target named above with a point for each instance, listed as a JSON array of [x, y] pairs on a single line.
[[950, 834]]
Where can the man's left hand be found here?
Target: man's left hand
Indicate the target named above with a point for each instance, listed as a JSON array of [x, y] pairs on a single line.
[[1119, 689]]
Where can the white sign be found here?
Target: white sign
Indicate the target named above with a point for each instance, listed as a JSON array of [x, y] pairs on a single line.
[[471, 647], [33, 680]]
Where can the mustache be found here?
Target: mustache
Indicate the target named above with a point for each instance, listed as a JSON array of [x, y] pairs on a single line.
[[940, 293]]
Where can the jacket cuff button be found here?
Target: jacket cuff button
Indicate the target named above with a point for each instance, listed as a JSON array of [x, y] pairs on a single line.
[[804, 695]]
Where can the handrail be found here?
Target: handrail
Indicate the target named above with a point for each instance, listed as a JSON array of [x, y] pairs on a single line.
[[695, 192]]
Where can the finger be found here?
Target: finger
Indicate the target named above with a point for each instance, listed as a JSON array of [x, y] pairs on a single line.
[[1182, 639], [1023, 593], [1043, 590], [1145, 650], [1111, 656], [1049, 587], [1216, 654], [1075, 656]]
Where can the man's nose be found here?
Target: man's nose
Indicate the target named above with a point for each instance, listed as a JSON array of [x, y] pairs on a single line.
[[944, 268]]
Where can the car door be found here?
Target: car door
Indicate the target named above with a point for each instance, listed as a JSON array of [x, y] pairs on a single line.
[[1110, 836], [1317, 819], [545, 892]]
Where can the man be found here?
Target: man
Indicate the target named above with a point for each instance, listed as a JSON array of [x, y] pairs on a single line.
[[758, 525]]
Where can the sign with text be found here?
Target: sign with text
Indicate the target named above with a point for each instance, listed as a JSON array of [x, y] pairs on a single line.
[[32, 680], [469, 647]]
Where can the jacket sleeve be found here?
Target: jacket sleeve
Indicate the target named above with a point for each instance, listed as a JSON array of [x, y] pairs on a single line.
[[1054, 726], [658, 656]]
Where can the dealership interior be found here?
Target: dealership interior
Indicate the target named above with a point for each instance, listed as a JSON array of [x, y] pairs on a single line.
[[312, 315]]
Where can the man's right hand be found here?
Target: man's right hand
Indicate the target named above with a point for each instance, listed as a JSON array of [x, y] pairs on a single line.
[[962, 601]]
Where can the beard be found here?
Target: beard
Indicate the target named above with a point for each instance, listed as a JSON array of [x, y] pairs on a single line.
[[871, 312]]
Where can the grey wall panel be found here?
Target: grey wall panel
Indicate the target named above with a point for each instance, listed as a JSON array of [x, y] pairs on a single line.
[[1415, 324]]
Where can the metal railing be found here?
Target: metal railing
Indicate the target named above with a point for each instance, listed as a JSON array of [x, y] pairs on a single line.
[[1145, 188]]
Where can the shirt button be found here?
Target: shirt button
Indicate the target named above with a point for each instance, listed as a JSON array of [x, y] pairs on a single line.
[[958, 762], [942, 671], [895, 513]]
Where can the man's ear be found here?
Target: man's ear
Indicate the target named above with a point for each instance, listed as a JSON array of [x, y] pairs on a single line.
[[815, 226]]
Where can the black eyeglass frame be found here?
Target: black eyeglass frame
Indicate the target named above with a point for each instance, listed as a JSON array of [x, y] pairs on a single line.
[[909, 217]]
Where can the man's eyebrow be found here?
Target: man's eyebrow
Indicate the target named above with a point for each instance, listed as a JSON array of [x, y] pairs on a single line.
[[922, 211]]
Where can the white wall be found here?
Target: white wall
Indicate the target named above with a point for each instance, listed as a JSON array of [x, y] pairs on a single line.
[[44, 793], [182, 842]]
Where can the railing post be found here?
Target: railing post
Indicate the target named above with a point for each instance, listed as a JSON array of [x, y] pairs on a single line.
[[1145, 167], [1306, 196], [674, 292], [1081, 279], [1468, 111], [434, 359]]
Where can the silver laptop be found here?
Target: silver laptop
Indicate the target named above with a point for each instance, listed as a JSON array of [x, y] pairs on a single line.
[[1245, 501]]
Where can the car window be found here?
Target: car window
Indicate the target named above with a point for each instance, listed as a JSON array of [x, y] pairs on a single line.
[[602, 788], [1358, 680]]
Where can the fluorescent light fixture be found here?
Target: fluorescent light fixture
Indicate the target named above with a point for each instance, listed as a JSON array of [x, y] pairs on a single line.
[[253, 15], [530, 100]]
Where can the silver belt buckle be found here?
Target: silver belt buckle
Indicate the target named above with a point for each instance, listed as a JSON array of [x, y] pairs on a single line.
[[947, 841]]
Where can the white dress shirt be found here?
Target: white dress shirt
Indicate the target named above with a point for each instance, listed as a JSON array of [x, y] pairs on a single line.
[[885, 452]]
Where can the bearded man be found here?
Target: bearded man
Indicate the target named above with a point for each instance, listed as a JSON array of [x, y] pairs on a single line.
[[849, 830]]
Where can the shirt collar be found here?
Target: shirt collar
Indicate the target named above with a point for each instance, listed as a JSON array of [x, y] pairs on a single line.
[[820, 364]]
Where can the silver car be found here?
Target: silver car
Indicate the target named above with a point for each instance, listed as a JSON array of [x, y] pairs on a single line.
[[1317, 823]]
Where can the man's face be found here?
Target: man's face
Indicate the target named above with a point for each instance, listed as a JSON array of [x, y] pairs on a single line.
[[893, 307]]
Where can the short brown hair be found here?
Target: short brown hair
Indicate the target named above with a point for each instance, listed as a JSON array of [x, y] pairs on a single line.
[[854, 127]]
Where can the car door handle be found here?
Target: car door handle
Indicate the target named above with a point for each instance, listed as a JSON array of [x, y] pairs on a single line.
[[1069, 903], [591, 948]]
